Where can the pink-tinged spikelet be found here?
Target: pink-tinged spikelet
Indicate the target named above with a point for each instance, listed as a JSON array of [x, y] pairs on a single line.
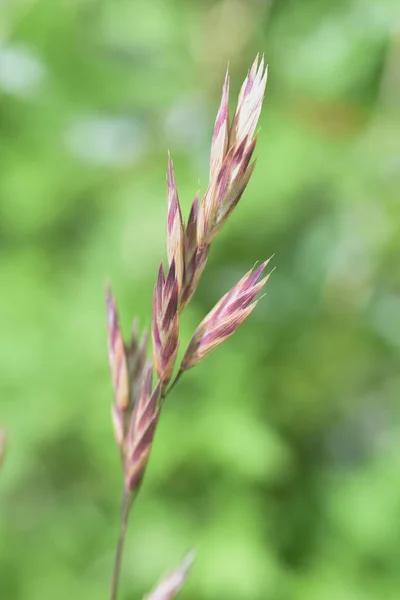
[[220, 137], [231, 153], [172, 582], [225, 191], [195, 258], [225, 317], [136, 355], [249, 104], [165, 323], [119, 368], [175, 229], [141, 431]]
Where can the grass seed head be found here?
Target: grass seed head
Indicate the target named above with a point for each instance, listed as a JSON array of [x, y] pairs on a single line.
[[231, 152], [225, 317], [171, 584], [165, 323], [119, 368], [141, 431], [175, 229]]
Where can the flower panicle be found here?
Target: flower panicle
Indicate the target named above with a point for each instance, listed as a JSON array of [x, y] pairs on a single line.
[[141, 431], [137, 402], [225, 317], [165, 323], [171, 584]]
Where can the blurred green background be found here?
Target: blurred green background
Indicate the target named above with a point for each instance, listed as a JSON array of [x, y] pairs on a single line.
[[278, 458]]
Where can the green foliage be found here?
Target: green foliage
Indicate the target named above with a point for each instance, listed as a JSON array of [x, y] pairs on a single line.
[[278, 458]]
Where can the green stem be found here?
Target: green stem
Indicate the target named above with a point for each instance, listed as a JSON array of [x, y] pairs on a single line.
[[173, 384], [126, 506]]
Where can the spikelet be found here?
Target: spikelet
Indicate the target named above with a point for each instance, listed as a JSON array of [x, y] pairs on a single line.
[[249, 104], [136, 353], [172, 582], [141, 431], [165, 323], [175, 229], [119, 369], [225, 317], [225, 191], [220, 137], [126, 362], [231, 152], [195, 258]]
